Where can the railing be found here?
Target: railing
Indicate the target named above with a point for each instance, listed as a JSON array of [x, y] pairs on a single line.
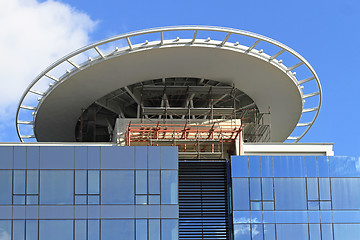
[[161, 41]]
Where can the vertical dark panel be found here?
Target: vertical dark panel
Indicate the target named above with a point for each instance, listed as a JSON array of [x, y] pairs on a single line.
[[203, 199]]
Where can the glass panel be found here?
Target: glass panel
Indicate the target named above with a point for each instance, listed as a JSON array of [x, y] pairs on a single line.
[[56, 157], [315, 233], [154, 182], [18, 230], [141, 229], [141, 157], [256, 217], [269, 217], [5, 187], [56, 187], [311, 166], [169, 158], [154, 199], [291, 216], [323, 164], [5, 229], [313, 205], [80, 230], [292, 231], [314, 216], [268, 205], [346, 231], [117, 157], [241, 217], [266, 166], [255, 189], [93, 199], [239, 166], [324, 185], [32, 200], [154, 157], [326, 216], [325, 205], [56, 229], [241, 194], [254, 166], [93, 182], [345, 193], [141, 182], [93, 157], [80, 182], [141, 199], [169, 187], [32, 230], [290, 194], [6, 157], [93, 229], [169, 229], [32, 157], [154, 228], [80, 157], [256, 205], [20, 157], [242, 232], [346, 216], [289, 166], [117, 187], [32, 184], [80, 199], [257, 231], [345, 166], [326, 232], [312, 186], [267, 189], [269, 231], [19, 200], [112, 229]]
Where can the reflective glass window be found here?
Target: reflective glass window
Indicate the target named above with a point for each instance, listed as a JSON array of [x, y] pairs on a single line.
[[268, 205], [19, 157], [326, 217], [169, 158], [56, 229], [346, 231], [56, 157], [292, 231], [112, 229], [346, 216], [239, 166], [311, 166], [19, 181], [93, 229], [32, 183], [241, 194], [154, 199], [154, 157], [117, 157], [5, 187], [290, 194], [154, 229], [141, 199], [291, 216], [169, 187], [93, 157], [255, 189], [242, 232], [19, 199], [93, 182], [80, 199], [154, 182], [257, 232], [56, 187], [323, 166], [269, 231], [326, 232], [141, 181], [267, 188], [256, 205], [325, 205], [169, 229], [315, 233], [341, 166], [254, 166], [312, 186], [32, 199], [80, 157], [314, 216], [266, 166], [93, 199], [345, 193], [80, 230], [18, 230], [141, 229], [80, 182], [269, 216], [6, 157], [32, 230], [117, 187], [32, 157], [256, 217], [289, 166], [141, 157], [241, 217], [5, 229]]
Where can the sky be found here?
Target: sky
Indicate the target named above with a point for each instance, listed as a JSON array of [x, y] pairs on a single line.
[[36, 33]]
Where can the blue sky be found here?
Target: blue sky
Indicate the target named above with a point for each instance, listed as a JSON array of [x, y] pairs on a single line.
[[324, 32]]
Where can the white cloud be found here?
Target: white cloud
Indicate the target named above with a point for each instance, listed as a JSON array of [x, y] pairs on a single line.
[[32, 36], [4, 235]]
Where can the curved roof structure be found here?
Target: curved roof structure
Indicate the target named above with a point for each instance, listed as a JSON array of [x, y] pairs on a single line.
[[250, 62]]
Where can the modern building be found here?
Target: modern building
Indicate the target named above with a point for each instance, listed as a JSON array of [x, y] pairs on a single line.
[[186, 132]]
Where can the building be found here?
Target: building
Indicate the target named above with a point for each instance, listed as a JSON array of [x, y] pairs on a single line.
[[176, 133]]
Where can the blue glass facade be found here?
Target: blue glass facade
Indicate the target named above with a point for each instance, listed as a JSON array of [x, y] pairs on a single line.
[[296, 197], [88, 192]]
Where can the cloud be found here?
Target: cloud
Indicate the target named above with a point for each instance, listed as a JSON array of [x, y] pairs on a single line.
[[4, 235], [32, 36]]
